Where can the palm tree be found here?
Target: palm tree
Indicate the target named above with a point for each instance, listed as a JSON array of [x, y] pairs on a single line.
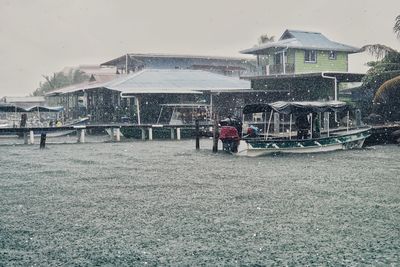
[[265, 39], [387, 99], [396, 27]]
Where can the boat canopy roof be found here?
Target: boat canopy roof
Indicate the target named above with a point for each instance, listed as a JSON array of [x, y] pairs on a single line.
[[297, 107], [186, 105]]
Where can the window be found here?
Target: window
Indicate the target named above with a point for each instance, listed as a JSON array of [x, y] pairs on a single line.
[[332, 55], [310, 56], [278, 59]]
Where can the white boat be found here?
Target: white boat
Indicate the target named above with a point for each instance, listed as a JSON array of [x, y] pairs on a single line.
[[313, 141]]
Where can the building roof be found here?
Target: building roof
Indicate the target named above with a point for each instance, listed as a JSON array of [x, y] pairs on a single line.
[[138, 57], [340, 76], [302, 40], [23, 99], [166, 81]]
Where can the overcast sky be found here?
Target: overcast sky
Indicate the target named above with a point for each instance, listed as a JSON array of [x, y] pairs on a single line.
[[39, 37]]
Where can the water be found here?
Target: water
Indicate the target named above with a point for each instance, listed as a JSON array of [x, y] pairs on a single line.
[[163, 203]]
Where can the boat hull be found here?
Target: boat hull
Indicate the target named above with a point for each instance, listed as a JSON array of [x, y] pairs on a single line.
[[338, 141]]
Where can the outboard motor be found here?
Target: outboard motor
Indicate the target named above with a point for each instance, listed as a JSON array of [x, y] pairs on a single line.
[[230, 138], [230, 134]]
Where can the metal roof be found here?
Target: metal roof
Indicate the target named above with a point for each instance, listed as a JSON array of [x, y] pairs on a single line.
[[178, 80], [138, 57], [302, 40], [155, 81]]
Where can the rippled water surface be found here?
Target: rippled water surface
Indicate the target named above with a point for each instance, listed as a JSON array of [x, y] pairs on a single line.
[[163, 203]]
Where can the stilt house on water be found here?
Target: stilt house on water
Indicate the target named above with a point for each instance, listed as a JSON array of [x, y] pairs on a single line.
[[307, 64]]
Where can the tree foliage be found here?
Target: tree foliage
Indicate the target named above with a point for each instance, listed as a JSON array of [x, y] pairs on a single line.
[[396, 27], [59, 80], [387, 100], [265, 39]]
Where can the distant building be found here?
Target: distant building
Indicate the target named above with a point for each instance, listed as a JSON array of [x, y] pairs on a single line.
[[24, 101], [229, 66]]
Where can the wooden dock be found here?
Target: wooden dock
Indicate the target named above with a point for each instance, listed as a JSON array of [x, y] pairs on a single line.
[[28, 133]]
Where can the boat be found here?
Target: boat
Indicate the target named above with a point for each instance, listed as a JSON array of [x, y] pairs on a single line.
[[307, 140]]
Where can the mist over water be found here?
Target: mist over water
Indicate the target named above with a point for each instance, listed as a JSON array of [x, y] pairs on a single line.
[[163, 203]]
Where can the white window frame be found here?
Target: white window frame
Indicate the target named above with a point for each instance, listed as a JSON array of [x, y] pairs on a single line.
[[305, 56]]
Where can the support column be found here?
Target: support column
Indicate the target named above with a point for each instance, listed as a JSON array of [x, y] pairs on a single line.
[[31, 137], [172, 133], [137, 104], [81, 136], [276, 122], [150, 133], [178, 133], [143, 133], [26, 139], [117, 134]]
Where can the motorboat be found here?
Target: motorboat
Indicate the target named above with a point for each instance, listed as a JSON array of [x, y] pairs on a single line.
[[308, 139]]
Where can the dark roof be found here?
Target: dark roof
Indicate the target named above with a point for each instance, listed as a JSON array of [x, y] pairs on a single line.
[[296, 107], [341, 76], [302, 40]]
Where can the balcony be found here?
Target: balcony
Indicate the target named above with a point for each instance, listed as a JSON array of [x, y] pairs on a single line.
[[280, 69]]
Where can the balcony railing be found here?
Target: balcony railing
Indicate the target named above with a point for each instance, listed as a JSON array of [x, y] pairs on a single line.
[[280, 69]]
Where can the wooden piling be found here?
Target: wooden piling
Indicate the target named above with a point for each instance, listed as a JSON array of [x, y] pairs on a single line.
[[172, 133], [143, 133], [150, 133], [42, 140], [26, 139], [117, 134], [197, 134], [178, 133], [81, 136], [215, 135]]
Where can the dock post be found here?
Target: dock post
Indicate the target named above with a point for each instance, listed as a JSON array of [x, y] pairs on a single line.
[[172, 133], [178, 133], [150, 133], [197, 134], [31, 137], [215, 135], [358, 117], [118, 134], [143, 133], [42, 140], [81, 136], [26, 139]]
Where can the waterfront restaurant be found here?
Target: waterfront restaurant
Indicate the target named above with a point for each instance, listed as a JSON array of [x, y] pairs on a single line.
[[138, 97]]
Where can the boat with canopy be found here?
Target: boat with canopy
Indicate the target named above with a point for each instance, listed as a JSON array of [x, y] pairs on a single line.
[[306, 119]]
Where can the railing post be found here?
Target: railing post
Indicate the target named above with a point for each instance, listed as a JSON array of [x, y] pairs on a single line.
[[150, 133], [172, 133], [178, 133]]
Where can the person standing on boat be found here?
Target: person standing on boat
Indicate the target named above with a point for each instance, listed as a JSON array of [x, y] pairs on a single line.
[[303, 126]]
